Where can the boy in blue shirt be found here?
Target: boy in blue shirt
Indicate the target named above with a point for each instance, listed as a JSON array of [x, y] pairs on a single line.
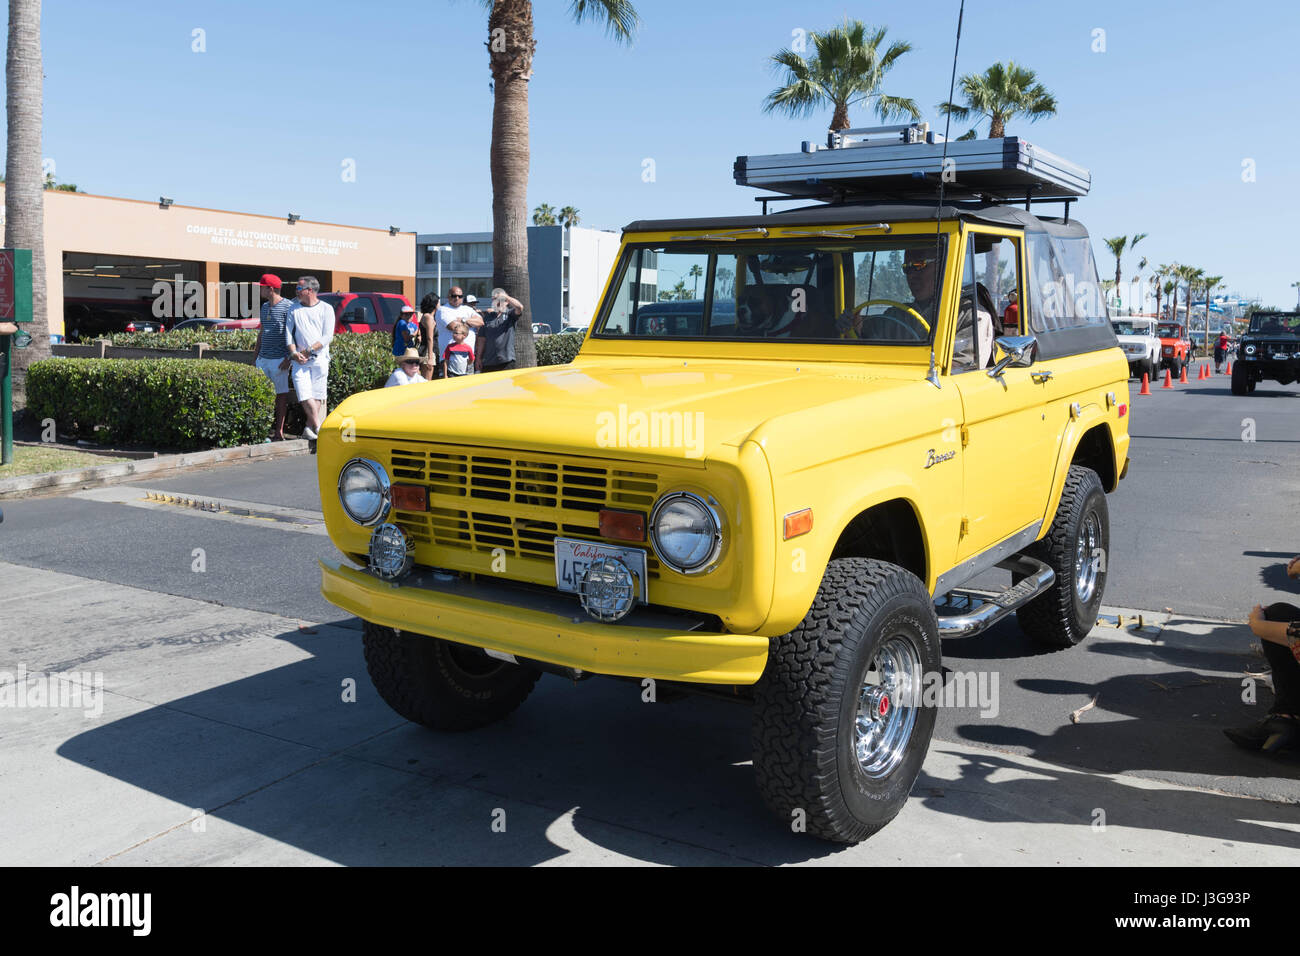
[[406, 333]]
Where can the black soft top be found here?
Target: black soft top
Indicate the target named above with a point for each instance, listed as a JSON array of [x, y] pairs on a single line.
[[994, 214]]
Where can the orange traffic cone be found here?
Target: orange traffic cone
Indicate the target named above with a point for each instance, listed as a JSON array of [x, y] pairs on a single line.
[[1182, 376], [1229, 371], [1169, 380], [1146, 385], [1204, 372]]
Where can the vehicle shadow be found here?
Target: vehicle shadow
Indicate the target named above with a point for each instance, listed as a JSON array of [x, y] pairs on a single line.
[[1258, 393], [1161, 721], [589, 769], [1016, 796]]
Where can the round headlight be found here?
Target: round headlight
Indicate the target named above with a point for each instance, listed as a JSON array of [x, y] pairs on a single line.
[[363, 491], [686, 532], [1250, 350]]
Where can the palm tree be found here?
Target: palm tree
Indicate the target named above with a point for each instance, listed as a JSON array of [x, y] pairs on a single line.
[[568, 217], [1296, 286], [724, 280], [1171, 293], [695, 272], [24, 181], [1117, 246], [511, 46], [1209, 284], [1190, 276], [1163, 272], [1001, 93], [544, 215], [847, 69]]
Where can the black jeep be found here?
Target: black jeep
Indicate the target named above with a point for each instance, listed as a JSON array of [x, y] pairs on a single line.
[[1269, 349]]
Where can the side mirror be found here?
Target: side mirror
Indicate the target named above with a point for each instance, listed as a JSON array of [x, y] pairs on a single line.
[[1015, 351]]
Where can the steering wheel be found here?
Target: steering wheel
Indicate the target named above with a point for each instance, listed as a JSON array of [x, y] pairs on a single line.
[[892, 318]]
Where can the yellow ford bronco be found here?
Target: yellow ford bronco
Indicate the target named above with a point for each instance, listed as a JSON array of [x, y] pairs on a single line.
[[784, 439]]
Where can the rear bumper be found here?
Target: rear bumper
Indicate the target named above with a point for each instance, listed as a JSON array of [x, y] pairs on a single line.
[[548, 626]]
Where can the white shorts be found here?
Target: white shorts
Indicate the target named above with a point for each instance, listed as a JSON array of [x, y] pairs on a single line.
[[309, 380], [279, 377]]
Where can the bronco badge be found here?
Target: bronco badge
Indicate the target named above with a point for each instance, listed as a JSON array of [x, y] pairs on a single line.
[[933, 459]]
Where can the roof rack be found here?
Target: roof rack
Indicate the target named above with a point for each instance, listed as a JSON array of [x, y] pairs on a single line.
[[907, 162]]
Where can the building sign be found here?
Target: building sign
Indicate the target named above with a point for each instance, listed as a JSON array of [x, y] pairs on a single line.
[[15, 285], [272, 241]]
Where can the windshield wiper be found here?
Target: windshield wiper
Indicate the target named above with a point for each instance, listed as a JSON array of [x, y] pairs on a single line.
[[840, 233], [730, 236]]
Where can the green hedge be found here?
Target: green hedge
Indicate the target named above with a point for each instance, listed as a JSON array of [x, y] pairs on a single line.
[[184, 339], [192, 403], [168, 403]]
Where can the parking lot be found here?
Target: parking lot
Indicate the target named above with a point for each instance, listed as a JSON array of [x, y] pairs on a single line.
[[238, 725]]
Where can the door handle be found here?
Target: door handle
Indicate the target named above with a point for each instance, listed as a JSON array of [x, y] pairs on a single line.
[[1040, 377]]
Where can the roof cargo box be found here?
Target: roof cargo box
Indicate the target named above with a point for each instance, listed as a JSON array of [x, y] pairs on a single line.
[[907, 162]]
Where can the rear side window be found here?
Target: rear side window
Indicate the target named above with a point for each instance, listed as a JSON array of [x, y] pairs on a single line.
[[1065, 292], [359, 310], [392, 307]]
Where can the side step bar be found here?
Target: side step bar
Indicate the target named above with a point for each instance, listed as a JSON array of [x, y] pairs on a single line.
[[1038, 578]]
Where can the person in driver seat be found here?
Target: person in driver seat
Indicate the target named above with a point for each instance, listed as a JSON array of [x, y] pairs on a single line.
[[920, 269]]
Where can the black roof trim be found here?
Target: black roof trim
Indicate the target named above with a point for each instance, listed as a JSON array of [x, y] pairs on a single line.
[[994, 214]]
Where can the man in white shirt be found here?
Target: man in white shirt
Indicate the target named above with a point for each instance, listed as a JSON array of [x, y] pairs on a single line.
[[308, 332], [455, 309]]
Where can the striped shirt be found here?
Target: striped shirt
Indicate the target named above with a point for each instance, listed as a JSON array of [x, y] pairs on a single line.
[[273, 339]]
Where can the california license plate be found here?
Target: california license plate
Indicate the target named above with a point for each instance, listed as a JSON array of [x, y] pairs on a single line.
[[574, 557]]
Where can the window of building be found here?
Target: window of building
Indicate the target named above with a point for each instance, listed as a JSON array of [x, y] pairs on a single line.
[[472, 252]]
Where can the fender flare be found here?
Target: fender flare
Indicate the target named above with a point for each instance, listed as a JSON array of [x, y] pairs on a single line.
[[1090, 416]]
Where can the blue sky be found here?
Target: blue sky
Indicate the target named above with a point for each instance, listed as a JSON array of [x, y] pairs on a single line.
[[287, 90]]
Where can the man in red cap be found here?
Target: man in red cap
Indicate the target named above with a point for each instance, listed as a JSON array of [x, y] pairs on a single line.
[[272, 348]]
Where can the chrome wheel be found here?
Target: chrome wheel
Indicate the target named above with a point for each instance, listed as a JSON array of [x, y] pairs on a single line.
[[1087, 558], [888, 702]]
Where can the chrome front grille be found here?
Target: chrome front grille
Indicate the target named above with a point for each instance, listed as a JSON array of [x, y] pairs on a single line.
[[488, 499]]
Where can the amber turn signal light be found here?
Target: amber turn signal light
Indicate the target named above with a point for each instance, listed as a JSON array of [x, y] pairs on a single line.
[[797, 523], [622, 525], [410, 498]]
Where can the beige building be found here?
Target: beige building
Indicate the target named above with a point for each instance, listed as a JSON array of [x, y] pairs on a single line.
[[107, 253]]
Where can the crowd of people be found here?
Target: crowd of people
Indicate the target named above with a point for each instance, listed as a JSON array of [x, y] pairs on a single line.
[[439, 341]]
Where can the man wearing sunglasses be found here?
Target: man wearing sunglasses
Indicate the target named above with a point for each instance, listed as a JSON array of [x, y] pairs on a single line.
[[921, 271], [455, 310]]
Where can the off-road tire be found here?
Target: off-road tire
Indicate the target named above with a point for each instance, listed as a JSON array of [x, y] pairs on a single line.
[[1058, 618], [806, 703], [441, 684], [1150, 369], [1240, 380]]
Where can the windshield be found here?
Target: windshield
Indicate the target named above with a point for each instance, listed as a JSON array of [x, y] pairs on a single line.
[[876, 291], [1276, 322], [1170, 331], [1131, 328]]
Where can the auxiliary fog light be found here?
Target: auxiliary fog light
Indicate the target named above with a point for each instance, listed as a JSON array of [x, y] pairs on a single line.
[[607, 590], [391, 553]]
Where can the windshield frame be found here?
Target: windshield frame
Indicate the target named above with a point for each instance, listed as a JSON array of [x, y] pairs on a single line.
[[808, 239]]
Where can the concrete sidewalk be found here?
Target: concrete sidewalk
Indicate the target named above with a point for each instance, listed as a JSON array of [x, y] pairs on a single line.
[[230, 736]]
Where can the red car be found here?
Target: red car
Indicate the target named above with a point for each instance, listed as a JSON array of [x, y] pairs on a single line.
[[365, 311]]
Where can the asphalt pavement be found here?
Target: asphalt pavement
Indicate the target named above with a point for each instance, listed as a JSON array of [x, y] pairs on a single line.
[[227, 734]]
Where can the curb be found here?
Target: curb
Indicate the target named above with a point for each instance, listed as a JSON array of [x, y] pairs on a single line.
[[97, 475]]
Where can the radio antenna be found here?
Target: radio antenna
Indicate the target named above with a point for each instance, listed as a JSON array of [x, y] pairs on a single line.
[[933, 376]]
